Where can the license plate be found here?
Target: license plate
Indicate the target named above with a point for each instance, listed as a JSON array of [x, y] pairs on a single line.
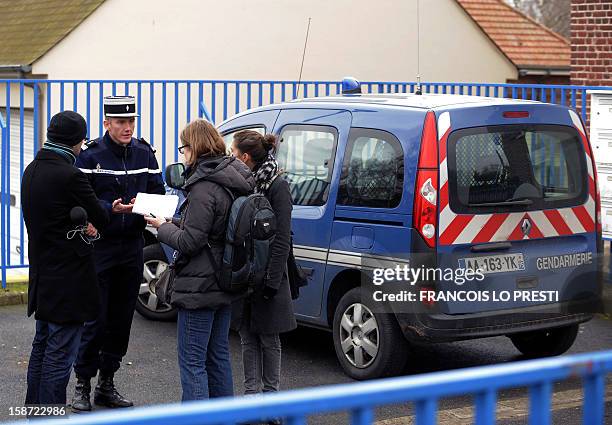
[[494, 263]]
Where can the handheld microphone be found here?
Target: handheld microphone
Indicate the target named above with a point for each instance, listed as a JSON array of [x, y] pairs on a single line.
[[78, 216]]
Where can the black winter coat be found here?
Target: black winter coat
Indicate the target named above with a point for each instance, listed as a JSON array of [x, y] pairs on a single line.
[[275, 315], [203, 221], [63, 284]]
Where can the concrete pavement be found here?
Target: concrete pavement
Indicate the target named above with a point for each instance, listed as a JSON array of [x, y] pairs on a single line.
[[150, 373]]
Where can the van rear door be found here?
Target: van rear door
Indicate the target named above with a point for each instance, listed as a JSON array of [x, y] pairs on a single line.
[[517, 202]]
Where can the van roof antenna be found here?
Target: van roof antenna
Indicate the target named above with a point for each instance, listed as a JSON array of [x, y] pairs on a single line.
[[303, 56], [418, 86]]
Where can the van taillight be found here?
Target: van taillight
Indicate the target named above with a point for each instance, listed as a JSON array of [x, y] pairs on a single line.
[[426, 188]]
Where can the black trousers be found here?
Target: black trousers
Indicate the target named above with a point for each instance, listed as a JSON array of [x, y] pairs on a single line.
[[105, 341]]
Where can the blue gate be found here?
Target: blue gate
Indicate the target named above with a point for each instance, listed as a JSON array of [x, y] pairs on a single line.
[[360, 400], [165, 106]]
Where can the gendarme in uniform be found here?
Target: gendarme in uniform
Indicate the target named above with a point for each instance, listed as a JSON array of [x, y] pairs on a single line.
[[118, 167]]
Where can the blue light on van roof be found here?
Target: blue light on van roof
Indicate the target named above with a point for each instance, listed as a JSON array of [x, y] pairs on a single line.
[[350, 85]]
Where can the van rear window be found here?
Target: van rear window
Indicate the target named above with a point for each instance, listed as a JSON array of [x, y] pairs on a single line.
[[516, 168]]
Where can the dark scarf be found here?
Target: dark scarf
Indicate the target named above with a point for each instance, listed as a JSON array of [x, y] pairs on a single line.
[[63, 150], [265, 175]]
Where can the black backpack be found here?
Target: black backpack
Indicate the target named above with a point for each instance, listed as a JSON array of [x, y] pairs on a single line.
[[251, 228]]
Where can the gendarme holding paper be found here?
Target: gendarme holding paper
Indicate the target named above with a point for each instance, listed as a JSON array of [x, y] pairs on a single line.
[[119, 167]]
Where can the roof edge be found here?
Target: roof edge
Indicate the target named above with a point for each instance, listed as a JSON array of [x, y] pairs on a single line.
[[10, 67], [562, 71]]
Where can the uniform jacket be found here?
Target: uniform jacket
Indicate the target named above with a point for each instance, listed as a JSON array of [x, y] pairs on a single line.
[[117, 171], [204, 218], [63, 286]]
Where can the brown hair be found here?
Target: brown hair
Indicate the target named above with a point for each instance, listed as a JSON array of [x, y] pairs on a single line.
[[255, 144], [203, 139]]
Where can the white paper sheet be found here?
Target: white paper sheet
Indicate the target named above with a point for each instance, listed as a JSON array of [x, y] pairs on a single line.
[[158, 205]]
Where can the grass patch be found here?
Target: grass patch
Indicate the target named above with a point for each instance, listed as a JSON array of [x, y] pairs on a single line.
[[16, 287]]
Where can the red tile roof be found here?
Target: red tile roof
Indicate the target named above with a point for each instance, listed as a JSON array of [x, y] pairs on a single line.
[[525, 42]]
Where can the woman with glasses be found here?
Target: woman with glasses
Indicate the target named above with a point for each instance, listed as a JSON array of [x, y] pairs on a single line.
[[203, 309]]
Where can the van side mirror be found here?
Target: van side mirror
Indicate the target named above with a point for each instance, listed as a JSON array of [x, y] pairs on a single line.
[[174, 175]]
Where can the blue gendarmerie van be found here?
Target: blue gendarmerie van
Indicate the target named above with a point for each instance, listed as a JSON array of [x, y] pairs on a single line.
[[503, 187]]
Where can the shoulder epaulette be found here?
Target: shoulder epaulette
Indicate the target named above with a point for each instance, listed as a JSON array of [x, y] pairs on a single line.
[[90, 144], [142, 140]]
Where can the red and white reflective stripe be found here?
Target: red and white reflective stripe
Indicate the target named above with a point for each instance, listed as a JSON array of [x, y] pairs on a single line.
[[499, 227], [482, 228], [446, 215]]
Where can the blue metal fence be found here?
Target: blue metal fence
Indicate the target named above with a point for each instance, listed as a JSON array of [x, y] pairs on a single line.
[[360, 400], [3, 201], [165, 106]]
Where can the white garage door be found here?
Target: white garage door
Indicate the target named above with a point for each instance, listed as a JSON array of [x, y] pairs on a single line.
[[15, 162]]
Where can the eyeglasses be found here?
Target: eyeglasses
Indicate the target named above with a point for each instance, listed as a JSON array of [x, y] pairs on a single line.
[[181, 149]]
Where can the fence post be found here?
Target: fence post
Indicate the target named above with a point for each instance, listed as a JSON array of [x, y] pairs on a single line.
[[6, 148], [3, 201], [176, 118], [539, 404], [426, 412], [594, 393], [485, 408], [21, 166]]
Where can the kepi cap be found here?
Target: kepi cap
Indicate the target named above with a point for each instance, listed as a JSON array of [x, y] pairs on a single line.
[[120, 106]]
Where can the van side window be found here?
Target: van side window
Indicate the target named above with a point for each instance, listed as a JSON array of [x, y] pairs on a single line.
[[228, 138], [306, 156], [373, 170]]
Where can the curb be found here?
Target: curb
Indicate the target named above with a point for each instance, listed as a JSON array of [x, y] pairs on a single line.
[[14, 298], [11, 298]]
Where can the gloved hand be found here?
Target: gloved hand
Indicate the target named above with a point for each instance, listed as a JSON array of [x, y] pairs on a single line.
[[269, 292]]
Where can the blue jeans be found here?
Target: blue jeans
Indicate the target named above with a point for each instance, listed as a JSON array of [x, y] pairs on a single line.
[[203, 353], [54, 351]]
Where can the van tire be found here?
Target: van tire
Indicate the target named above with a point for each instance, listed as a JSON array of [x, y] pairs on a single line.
[[392, 354], [152, 255], [547, 342]]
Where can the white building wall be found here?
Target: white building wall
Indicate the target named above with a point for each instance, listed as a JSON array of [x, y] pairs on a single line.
[[263, 39]]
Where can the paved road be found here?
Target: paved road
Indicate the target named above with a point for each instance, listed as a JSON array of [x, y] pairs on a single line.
[[150, 373]]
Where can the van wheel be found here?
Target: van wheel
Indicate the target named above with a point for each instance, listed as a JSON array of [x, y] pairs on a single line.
[[368, 344], [549, 342], [147, 304]]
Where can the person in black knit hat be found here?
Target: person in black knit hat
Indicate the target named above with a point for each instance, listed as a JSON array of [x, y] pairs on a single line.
[[63, 291]]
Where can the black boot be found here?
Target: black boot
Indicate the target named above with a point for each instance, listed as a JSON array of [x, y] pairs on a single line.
[[80, 402], [106, 394]]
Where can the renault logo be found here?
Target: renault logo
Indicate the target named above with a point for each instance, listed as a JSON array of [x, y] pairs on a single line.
[[526, 227]]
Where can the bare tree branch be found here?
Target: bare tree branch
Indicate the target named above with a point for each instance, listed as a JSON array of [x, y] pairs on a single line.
[[553, 14]]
